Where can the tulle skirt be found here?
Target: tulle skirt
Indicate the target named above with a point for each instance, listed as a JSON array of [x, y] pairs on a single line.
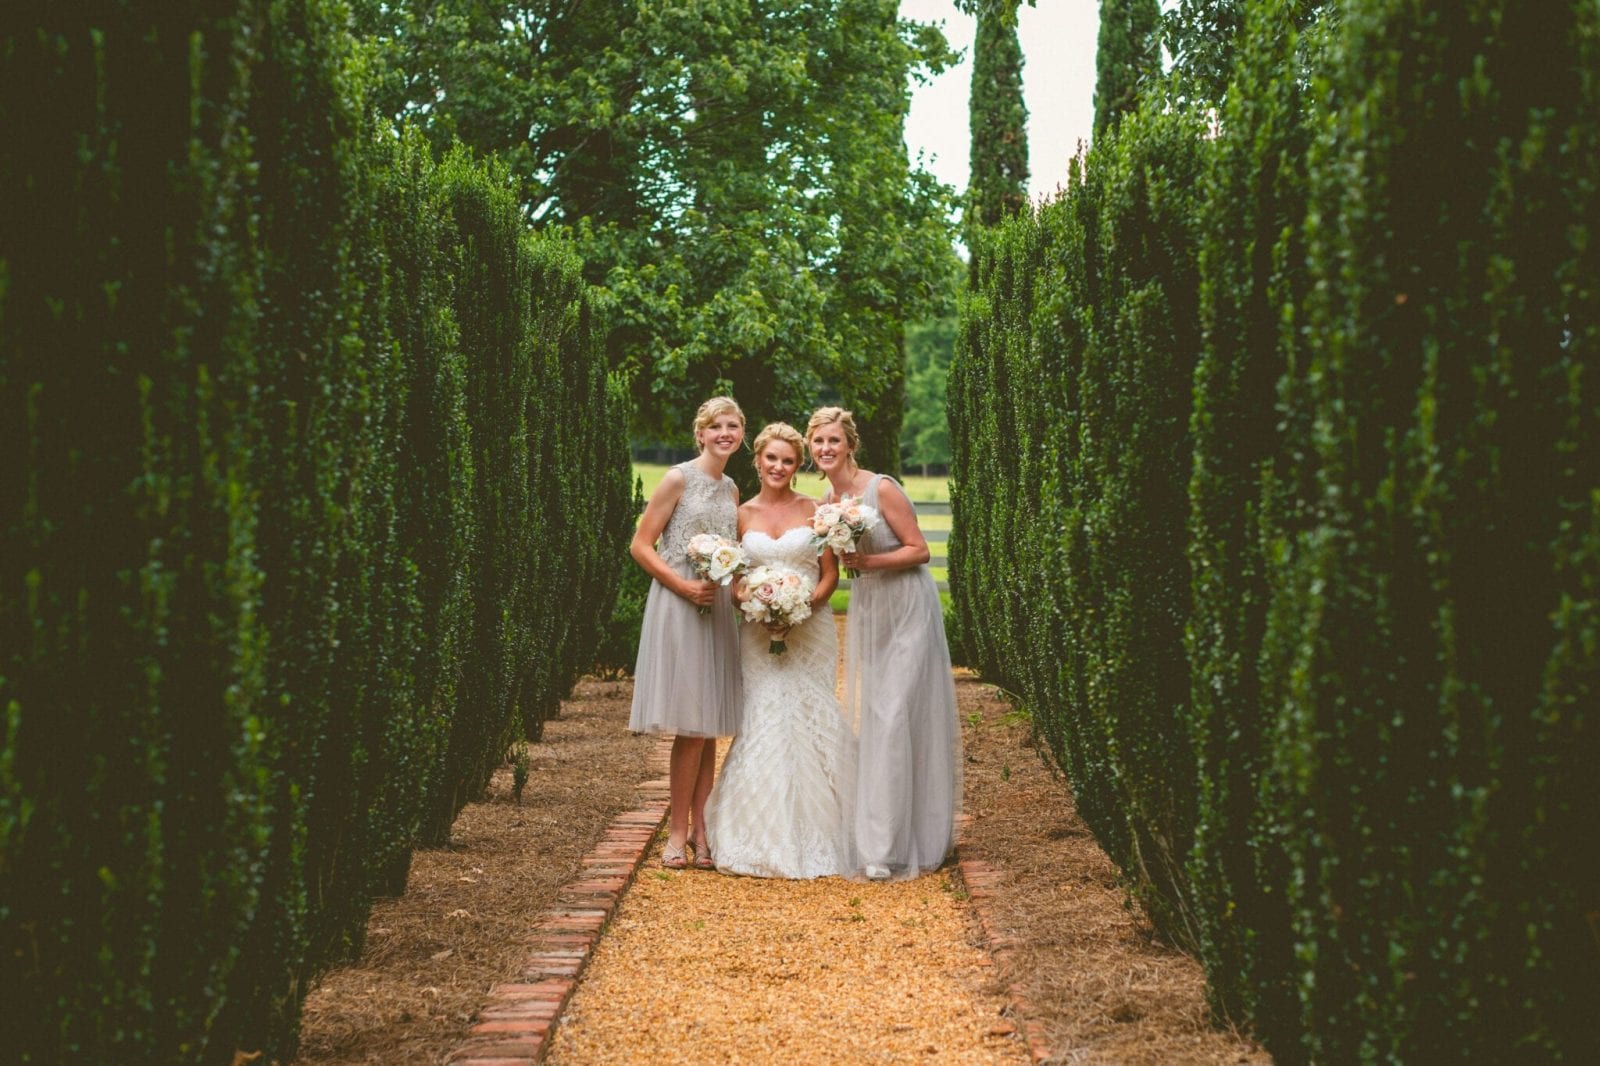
[[686, 680], [899, 692]]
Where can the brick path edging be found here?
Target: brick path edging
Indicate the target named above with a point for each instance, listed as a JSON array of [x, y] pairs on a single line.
[[516, 1023], [979, 880]]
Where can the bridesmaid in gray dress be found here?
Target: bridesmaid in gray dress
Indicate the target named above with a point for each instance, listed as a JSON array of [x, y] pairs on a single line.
[[898, 687], [686, 681]]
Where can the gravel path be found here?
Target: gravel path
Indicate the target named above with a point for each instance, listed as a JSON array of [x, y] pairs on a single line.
[[700, 967]]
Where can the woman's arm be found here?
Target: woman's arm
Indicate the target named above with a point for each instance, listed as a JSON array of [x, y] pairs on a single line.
[[736, 586], [657, 512], [895, 509]]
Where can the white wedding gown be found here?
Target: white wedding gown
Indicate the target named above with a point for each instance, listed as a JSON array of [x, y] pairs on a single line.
[[783, 804]]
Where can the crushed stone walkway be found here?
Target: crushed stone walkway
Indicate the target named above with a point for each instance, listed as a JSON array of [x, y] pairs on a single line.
[[701, 967]]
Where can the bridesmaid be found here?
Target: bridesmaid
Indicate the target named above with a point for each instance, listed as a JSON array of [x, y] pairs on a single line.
[[686, 681], [898, 687]]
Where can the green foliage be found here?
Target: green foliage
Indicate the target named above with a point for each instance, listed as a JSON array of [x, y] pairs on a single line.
[[1373, 402], [434, 485], [1207, 38], [925, 433], [618, 647], [521, 766], [734, 175], [1203, 37], [134, 774], [998, 187], [1083, 560], [1127, 58], [1430, 648], [319, 477], [1253, 279]]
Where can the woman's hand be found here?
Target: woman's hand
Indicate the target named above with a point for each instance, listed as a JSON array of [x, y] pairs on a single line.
[[778, 632], [856, 561], [699, 593]]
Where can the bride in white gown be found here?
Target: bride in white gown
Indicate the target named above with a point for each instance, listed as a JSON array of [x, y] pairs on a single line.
[[782, 806]]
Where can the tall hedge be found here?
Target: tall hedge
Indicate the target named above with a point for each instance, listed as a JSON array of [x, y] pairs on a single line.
[[1431, 649], [435, 519], [1070, 486], [1252, 281], [134, 770], [1380, 713], [270, 507]]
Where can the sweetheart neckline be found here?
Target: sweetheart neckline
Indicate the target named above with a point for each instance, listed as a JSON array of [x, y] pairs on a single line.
[[780, 536]]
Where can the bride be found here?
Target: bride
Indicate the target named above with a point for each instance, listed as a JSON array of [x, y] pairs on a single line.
[[782, 806]]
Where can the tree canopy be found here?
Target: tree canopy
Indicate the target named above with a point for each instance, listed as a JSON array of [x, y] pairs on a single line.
[[732, 171], [999, 184], [1129, 52]]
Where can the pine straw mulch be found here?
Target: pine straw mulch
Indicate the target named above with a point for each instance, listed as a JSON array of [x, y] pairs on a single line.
[[1092, 971], [433, 954]]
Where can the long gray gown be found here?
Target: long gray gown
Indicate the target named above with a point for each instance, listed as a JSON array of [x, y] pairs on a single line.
[[899, 692], [686, 680]]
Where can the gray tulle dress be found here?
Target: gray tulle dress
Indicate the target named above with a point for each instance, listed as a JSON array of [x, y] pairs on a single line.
[[899, 692], [686, 680]]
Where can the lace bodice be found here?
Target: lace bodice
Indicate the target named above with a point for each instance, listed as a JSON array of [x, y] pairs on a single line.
[[708, 505], [791, 549]]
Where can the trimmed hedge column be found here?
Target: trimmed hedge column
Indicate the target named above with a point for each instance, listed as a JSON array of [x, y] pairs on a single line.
[[312, 493], [1393, 645], [1070, 408], [1433, 644], [135, 778], [1253, 278]]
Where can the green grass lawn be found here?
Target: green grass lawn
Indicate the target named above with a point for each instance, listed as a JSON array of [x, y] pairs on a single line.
[[920, 489]]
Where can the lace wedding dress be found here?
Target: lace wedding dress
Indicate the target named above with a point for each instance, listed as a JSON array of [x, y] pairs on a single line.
[[782, 807]]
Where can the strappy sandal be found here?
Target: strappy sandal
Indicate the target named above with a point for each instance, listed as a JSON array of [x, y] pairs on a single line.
[[702, 856], [672, 858]]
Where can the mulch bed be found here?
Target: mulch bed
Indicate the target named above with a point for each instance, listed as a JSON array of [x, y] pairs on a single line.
[[1090, 972], [433, 954], [1093, 973]]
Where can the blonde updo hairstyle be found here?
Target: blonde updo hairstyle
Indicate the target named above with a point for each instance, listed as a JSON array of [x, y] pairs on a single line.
[[712, 410], [827, 416], [788, 434]]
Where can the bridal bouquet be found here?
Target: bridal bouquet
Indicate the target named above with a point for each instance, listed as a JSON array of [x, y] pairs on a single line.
[[776, 595], [716, 559], [841, 525]]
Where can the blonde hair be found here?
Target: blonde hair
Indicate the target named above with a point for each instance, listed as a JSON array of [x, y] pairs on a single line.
[[710, 411], [781, 431], [827, 416]]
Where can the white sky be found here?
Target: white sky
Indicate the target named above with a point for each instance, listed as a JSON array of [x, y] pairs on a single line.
[[1058, 42]]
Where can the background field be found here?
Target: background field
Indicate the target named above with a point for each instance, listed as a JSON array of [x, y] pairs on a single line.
[[920, 489]]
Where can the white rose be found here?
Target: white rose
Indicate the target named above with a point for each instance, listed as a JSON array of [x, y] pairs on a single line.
[[725, 560]]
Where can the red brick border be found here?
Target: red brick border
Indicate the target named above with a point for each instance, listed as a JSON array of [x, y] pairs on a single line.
[[515, 1024], [979, 880]]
